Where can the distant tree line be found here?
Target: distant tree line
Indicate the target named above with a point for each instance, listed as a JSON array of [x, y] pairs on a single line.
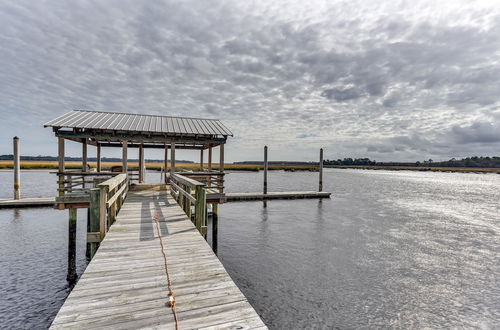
[[350, 161], [79, 159], [479, 162]]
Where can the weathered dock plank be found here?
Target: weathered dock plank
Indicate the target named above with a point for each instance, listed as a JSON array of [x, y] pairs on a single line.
[[125, 285], [255, 196], [27, 202]]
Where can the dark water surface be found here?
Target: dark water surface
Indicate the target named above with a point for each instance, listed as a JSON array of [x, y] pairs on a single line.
[[389, 250]]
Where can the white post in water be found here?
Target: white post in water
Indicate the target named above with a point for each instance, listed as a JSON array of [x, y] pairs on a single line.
[[17, 169], [321, 169], [265, 169]]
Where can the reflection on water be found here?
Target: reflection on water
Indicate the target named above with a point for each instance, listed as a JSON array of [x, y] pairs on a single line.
[[390, 249]]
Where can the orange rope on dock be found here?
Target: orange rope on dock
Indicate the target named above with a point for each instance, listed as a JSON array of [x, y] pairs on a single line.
[[171, 298]]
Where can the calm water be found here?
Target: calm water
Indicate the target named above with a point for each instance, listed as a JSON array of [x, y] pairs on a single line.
[[389, 250]]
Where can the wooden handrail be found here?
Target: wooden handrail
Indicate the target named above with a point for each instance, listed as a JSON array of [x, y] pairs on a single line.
[[181, 188], [105, 202], [114, 181], [185, 180]]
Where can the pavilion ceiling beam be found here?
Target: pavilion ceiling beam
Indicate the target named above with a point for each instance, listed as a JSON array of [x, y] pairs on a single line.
[[118, 137]]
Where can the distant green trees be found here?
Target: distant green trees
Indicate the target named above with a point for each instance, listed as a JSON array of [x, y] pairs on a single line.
[[350, 161], [478, 162]]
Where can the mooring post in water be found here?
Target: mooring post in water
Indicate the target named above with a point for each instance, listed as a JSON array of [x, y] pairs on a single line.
[[265, 169], [71, 277], [17, 169], [215, 225], [320, 169]]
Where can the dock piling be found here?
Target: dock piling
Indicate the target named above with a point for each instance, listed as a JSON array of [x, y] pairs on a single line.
[[215, 226], [320, 169], [17, 169], [265, 170], [71, 276]]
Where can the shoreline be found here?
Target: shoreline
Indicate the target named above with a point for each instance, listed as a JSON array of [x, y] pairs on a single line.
[[53, 165]]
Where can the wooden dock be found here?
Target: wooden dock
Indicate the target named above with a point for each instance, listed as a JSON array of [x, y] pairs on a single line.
[[27, 202], [125, 284], [233, 197]]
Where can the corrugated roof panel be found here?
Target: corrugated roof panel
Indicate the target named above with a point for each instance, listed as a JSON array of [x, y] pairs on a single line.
[[206, 127], [86, 119], [91, 121], [75, 120]]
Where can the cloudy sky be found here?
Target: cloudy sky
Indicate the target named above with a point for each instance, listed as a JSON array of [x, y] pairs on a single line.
[[389, 80]]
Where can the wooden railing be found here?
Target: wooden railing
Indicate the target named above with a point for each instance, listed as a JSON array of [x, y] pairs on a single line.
[[105, 202], [213, 180], [188, 193], [78, 182]]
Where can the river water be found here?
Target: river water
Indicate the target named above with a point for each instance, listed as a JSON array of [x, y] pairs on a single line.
[[389, 250]]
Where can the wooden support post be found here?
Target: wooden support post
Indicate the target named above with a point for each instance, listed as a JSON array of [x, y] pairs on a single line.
[[84, 160], [201, 209], [84, 156], [141, 163], [94, 220], [61, 165], [71, 275], [166, 163], [124, 157], [215, 226], [98, 156], [17, 169], [172, 160], [320, 169], [210, 166], [103, 211], [201, 160], [221, 168], [221, 159], [265, 169]]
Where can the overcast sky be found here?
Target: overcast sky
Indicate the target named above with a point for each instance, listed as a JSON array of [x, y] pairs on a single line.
[[389, 80]]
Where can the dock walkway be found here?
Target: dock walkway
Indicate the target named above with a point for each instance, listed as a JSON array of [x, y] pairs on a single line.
[[125, 284]]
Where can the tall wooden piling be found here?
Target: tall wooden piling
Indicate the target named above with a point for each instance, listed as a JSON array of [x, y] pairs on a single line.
[[98, 156], [61, 165], [265, 169], [320, 169], [93, 221], [84, 156], [71, 276], [165, 164], [201, 160], [124, 156], [141, 163], [17, 169], [215, 226], [172, 158]]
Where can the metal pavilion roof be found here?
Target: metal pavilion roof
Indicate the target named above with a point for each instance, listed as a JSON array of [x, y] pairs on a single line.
[[152, 124]]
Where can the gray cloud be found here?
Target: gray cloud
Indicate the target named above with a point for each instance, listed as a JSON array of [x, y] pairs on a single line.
[[397, 81]]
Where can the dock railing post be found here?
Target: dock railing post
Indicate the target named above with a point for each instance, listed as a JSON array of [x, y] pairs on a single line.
[[200, 209], [94, 220], [17, 169], [320, 169], [103, 212], [265, 170]]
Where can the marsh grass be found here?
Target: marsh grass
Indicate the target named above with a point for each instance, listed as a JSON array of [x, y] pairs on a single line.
[[53, 165]]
